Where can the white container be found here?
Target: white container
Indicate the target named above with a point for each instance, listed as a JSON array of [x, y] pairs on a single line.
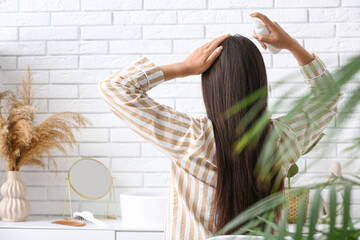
[[260, 28], [144, 210]]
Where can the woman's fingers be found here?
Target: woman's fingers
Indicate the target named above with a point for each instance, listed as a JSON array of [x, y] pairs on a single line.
[[269, 24], [277, 37], [262, 38], [208, 44], [214, 55], [213, 44], [217, 42], [262, 44]]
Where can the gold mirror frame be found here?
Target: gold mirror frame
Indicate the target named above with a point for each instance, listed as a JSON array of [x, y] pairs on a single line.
[[110, 191], [77, 191]]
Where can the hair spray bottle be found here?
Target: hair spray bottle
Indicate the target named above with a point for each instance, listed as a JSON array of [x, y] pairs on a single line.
[[260, 28]]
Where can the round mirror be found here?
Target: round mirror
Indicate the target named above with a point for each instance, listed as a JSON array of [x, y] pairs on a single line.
[[90, 178]]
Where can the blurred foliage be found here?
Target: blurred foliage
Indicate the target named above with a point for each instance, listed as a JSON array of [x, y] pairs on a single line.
[[263, 212]]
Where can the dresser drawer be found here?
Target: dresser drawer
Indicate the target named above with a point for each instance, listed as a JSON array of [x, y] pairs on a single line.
[[54, 234], [139, 235]]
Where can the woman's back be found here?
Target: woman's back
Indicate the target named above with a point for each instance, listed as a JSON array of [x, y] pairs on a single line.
[[190, 142]]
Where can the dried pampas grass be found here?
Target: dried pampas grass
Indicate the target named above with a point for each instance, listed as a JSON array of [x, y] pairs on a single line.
[[22, 143]]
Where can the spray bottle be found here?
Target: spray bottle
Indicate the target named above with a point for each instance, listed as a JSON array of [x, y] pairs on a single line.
[[260, 28]]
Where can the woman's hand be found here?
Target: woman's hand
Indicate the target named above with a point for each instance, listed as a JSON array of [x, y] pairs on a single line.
[[202, 58], [277, 36], [197, 62], [280, 39]]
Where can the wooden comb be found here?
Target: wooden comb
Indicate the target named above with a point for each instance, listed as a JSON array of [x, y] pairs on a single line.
[[69, 223]]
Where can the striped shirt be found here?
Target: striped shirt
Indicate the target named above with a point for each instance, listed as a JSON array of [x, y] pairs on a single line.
[[189, 141]]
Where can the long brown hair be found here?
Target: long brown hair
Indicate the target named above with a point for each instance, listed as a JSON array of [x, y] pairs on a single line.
[[238, 72]]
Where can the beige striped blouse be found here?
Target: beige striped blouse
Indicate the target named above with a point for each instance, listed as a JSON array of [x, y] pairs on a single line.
[[189, 141]]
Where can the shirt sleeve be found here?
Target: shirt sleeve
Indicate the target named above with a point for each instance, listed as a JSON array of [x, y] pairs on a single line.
[[170, 131], [302, 129]]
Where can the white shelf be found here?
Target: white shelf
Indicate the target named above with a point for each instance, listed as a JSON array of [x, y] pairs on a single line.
[[45, 223], [42, 228]]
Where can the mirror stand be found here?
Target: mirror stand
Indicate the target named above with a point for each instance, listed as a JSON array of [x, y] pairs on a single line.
[[67, 193], [111, 196]]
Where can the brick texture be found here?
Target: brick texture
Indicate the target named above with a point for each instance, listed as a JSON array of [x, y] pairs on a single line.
[[72, 44]]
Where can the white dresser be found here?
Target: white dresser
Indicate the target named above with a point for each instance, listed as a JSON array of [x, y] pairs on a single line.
[[42, 228]]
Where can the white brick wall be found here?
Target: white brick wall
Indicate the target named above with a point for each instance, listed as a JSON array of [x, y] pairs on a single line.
[[72, 44]]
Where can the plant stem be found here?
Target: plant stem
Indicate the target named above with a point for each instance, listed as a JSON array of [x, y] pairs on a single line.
[[289, 183]]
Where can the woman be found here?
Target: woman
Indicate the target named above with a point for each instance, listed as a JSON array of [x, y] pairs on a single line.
[[207, 187]]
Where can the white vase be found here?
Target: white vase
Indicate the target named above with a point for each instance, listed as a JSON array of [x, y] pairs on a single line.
[[14, 207]]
